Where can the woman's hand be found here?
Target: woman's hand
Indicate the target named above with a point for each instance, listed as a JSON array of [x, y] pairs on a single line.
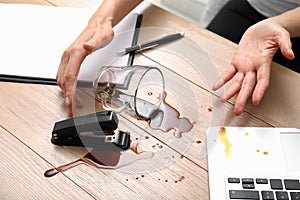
[[96, 35], [251, 64]]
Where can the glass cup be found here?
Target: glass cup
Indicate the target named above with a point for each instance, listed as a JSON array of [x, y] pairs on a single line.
[[138, 89]]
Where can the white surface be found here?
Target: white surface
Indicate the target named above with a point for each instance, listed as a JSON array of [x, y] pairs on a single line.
[[247, 157], [33, 38]]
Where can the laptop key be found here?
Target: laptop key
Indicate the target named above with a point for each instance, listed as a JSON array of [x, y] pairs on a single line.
[[262, 181], [244, 194], [276, 184], [233, 180], [295, 195], [267, 195], [248, 186], [292, 184], [248, 180], [280, 195]]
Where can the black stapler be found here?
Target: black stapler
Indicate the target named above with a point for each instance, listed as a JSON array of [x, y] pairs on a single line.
[[96, 130]]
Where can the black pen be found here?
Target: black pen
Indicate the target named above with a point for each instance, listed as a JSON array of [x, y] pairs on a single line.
[[151, 44]]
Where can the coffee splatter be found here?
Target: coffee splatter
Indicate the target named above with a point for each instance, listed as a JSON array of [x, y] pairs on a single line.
[[264, 152], [180, 179], [105, 159], [168, 118], [225, 141]]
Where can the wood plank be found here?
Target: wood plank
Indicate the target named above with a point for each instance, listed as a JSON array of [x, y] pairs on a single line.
[[204, 113], [22, 174], [34, 130], [40, 2], [192, 102], [283, 93], [35, 108], [142, 178], [92, 4]]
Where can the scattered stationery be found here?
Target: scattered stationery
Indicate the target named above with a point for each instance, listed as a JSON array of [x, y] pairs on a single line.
[[102, 129], [151, 44]]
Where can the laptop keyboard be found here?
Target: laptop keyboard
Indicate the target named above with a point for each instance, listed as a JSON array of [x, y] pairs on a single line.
[[263, 188]]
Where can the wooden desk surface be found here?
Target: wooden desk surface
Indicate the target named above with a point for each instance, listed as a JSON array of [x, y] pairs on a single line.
[[28, 113]]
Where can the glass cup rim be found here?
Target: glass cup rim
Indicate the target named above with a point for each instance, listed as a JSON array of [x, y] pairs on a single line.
[[146, 69]]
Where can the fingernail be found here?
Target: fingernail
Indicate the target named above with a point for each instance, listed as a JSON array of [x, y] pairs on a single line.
[[292, 54], [67, 101], [223, 98], [238, 111], [219, 83]]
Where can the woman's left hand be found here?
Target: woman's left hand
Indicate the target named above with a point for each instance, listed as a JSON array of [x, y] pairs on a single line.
[[251, 63]]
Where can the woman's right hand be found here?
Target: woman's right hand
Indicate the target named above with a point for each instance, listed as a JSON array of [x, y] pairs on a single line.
[[97, 34]]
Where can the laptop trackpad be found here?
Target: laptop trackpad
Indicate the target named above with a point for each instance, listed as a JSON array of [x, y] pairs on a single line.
[[291, 147]]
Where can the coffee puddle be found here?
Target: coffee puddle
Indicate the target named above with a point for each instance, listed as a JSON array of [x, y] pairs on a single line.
[[105, 159], [167, 118]]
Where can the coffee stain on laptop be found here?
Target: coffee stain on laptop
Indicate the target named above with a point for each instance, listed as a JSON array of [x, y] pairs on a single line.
[[263, 152], [225, 142]]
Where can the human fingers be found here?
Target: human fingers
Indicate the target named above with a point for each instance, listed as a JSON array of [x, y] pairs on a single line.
[[263, 81], [234, 87], [70, 95], [247, 87], [70, 79], [226, 76], [69, 99], [60, 72], [285, 46]]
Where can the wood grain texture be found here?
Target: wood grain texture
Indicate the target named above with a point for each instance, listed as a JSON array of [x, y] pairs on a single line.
[[91, 4], [283, 93], [22, 174], [39, 2], [28, 113], [34, 130]]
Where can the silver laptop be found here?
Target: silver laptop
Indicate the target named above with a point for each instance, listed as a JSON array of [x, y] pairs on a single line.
[[253, 163]]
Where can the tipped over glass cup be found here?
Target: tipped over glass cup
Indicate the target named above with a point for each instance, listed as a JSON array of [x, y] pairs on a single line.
[[137, 89]]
